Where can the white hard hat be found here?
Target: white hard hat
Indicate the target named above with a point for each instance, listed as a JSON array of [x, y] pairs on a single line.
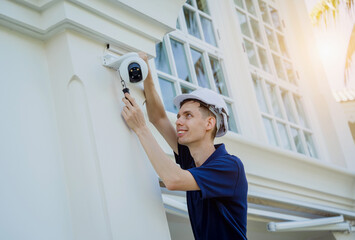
[[215, 104]]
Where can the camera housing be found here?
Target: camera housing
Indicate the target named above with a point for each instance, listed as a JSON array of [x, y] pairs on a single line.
[[131, 67]]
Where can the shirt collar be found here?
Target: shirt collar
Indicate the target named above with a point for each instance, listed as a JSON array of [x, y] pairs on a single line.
[[220, 151]]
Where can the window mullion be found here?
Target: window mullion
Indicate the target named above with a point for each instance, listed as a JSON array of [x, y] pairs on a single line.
[[169, 52], [199, 25], [290, 136], [266, 94], [276, 132], [209, 71], [190, 62], [294, 109], [281, 103], [303, 141]]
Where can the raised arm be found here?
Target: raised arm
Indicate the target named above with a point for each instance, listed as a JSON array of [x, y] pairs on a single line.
[[172, 175], [156, 112]]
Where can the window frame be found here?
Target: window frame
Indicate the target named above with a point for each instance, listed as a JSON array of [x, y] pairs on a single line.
[[292, 90], [207, 50]]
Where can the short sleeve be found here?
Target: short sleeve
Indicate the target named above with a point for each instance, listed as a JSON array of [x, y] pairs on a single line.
[[184, 158], [218, 178]]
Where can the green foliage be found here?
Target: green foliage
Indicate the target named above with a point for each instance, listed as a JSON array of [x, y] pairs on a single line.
[[321, 12], [325, 8]]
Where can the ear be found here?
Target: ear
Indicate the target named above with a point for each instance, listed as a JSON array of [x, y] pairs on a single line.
[[210, 123]]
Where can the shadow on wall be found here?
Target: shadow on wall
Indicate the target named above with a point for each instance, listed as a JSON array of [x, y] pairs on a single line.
[[352, 129]]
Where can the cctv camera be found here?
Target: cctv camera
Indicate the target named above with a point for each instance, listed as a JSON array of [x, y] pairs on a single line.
[[131, 67]]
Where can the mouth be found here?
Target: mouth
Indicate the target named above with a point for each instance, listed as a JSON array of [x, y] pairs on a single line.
[[181, 132]]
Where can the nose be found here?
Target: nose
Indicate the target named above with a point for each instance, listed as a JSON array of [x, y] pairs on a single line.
[[178, 121]]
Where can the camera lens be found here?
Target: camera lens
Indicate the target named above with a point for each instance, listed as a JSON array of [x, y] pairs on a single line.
[[134, 72]]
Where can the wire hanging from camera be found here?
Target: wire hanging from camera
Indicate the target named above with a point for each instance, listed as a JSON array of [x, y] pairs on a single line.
[[123, 83]]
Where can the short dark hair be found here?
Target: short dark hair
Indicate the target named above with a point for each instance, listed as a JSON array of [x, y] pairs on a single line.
[[204, 109]]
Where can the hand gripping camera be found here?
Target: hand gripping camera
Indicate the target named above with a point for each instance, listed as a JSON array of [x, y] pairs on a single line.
[[130, 67]]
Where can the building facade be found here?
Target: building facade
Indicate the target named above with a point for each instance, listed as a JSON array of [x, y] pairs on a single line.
[[71, 168]]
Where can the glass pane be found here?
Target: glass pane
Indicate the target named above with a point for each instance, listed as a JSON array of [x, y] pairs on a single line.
[[271, 39], [189, 2], [191, 23], [297, 139], [270, 131], [289, 71], [260, 95], [263, 59], [239, 3], [251, 53], [264, 13], [180, 60], [250, 6], [200, 68], [208, 31], [243, 23], [282, 45], [185, 89], [274, 102], [279, 67], [285, 142], [232, 126], [168, 92], [161, 60], [288, 107], [275, 18], [256, 30], [202, 5], [310, 145], [218, 76], [301, 113]]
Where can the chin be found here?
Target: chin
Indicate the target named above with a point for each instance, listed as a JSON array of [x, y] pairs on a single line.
[[182, 141]]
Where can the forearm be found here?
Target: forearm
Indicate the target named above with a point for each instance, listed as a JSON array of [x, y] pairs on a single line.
[[155, 107], [167, 170]]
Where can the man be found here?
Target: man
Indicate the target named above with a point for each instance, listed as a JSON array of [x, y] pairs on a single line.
[[214, 180]]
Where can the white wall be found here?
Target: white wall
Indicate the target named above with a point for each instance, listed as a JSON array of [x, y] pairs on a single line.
[[34, 202], [109, 178], [70, 167]]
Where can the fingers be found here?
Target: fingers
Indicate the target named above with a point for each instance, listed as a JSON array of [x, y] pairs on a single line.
[[130, 99], [127, 103], [124, 113], [143, 55]]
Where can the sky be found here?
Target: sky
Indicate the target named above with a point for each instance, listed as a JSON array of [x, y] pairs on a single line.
[[332, 43]]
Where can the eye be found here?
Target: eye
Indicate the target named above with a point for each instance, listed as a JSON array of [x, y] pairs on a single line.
[[188, 115]]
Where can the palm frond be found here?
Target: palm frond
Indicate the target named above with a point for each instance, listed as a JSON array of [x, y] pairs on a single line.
[[350, 55], [325, 8]]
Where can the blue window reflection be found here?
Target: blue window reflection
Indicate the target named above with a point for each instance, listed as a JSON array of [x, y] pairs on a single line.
[[168, 91], [200, 69]]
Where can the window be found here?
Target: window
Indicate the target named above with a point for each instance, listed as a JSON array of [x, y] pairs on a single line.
[[189, 58], [273, 76], [198, 21]]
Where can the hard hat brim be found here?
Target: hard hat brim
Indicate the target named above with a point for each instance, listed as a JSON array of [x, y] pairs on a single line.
[[179, 99]]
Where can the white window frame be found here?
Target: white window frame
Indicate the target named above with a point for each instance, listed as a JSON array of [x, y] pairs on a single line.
[[207, 50], [291, 89]]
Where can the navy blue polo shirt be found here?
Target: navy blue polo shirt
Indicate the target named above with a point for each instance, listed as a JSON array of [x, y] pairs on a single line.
[[219, 209]]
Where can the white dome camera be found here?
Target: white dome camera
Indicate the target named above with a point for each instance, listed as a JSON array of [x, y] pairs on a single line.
[[131, 67]]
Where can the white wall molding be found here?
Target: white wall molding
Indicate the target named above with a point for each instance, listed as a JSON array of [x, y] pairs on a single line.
[[297, 192], [114, 22], [293, 175], [38, 5]]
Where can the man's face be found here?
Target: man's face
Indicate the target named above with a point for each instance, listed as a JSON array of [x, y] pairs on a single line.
[[190, 123]]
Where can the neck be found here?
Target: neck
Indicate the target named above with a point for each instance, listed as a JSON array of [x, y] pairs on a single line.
[[201, 151]]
